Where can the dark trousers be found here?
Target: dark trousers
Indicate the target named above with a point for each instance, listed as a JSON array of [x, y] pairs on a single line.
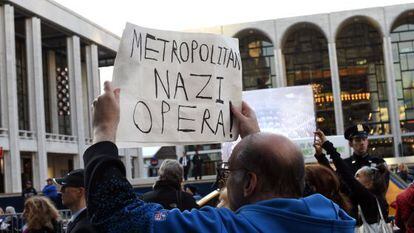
[[186, 172], [197, 172]]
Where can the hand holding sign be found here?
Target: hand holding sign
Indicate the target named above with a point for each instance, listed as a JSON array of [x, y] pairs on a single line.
[[106, 114], [177, 87]]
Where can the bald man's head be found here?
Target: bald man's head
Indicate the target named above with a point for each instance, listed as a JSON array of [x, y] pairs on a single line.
[[264, 166]]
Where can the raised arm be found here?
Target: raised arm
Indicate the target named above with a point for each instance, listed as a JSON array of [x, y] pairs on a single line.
[[112, 204], [342, 169]]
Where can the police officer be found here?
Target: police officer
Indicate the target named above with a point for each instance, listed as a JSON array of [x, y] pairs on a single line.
[[357, 135]]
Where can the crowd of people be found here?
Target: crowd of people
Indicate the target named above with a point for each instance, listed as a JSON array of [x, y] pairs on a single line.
[[267, 187]]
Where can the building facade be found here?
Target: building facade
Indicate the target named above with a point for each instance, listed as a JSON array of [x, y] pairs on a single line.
[[360, 64], [49, 75]]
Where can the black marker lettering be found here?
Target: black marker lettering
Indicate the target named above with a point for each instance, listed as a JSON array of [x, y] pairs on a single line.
[[182, 86], [203, 75], [201, 52], [163, 111], [163, 48], [174, 52], [206, 116], [150, 117], [220, 121], [149, 49], [219, 100], [184, 119], [212, 55], [221, 49], [194, 46], [166, 90], [187, 49], [138, 42]]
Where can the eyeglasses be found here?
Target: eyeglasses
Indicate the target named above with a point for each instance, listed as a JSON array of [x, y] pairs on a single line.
[[223, 173]]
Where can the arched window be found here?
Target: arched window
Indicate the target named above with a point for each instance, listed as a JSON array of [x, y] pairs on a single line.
[[402, 39], [257, 55], [306, 57], [363, 81], [362, 76]]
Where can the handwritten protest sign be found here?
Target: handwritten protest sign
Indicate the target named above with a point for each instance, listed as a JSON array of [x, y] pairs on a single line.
[[176, 88]]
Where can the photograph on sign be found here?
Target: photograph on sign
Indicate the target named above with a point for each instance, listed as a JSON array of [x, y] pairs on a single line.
[[176, 87], [288, 111]]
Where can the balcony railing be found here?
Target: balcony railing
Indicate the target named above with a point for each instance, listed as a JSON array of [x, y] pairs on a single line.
[[4, 132], [25, 134], [50, 137]]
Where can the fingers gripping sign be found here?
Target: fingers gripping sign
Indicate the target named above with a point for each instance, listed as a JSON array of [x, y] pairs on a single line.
[[106, 114]]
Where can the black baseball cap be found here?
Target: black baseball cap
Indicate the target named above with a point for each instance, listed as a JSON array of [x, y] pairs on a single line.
[[74, 178], [358, 130]]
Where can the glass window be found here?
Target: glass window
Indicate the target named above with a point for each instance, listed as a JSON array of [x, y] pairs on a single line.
[[21, 83], [257, 56], [402, 38], [307, 62], [46, 93], [63, 95], [362, 77], [381, 147], [408, 146]]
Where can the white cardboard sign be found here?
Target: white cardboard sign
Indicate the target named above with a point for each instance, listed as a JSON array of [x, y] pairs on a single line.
[[176, 87]]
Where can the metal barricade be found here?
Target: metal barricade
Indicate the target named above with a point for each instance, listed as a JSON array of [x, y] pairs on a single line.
[[14, 223]]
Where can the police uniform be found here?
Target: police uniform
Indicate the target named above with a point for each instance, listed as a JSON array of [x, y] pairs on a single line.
[[355, 162]]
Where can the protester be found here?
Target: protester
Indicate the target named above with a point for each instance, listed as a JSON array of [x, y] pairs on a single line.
[[185, 162], [367, 185], [404, 217], [264, 186], [320, 179], [41, 216], [404, 174], [10, 222], [74, 198], [167, 190], [50, 190], [197, 166], [28, 191]]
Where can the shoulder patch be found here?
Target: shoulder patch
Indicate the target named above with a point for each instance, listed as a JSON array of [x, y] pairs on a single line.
[[160, 216]]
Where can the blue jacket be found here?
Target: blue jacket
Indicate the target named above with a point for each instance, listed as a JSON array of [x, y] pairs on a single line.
[[50, 191], [114, 207]]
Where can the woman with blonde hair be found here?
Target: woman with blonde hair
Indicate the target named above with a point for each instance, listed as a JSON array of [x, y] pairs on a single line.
[[41, 216]]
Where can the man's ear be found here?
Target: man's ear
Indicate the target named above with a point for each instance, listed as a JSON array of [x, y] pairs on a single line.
[[250, 184], [350, 143]]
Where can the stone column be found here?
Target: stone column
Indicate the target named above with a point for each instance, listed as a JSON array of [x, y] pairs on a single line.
[[92, 71], [128, 165], [280, 69], [336, 88], [9, 96], [393, 113], [76, 105], [51, 61], [37, 110]]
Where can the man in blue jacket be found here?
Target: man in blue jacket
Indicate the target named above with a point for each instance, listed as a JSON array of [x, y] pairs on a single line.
[[264, 186]]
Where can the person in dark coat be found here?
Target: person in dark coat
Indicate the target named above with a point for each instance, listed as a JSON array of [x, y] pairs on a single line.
[[366, 185], [357, 135], [198, 166], [28, 191], [73, 197], [167, 190], [186, 163]]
